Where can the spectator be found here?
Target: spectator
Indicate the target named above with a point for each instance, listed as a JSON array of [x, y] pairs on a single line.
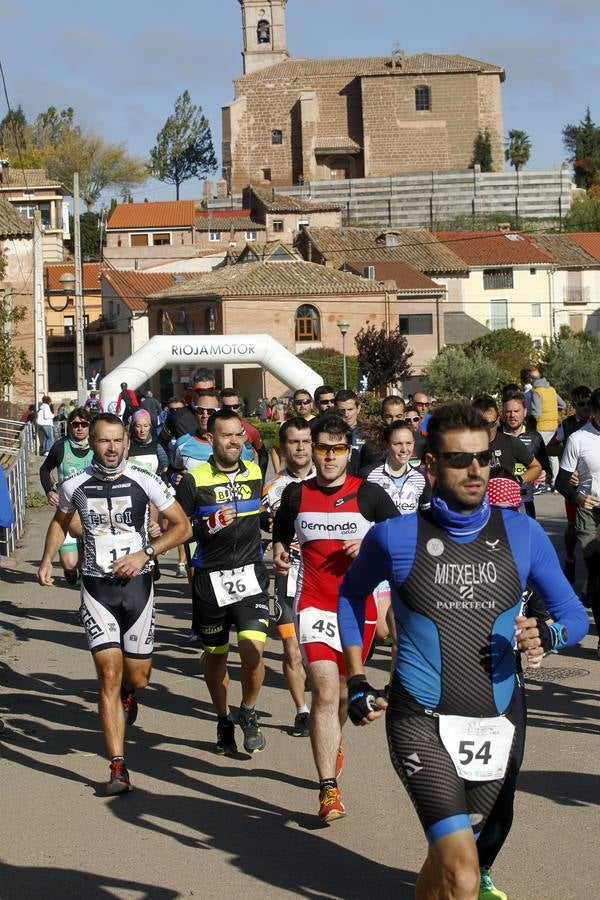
[[152, 406], [545, 404], [94, 404], [421, 402], [128, 399], [45, 422]]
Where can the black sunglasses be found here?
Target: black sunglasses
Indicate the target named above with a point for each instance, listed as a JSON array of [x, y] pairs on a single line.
[[77, 423], [206, 409], [231, 405], [457, 459]]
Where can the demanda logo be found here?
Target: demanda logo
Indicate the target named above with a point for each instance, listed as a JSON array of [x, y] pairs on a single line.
[[344, 528], [213, 349]]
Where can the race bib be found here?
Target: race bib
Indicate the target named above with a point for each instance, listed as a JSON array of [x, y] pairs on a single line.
[[318, 626], [232, 585], [110, 548], [292, 579], [479, 748]]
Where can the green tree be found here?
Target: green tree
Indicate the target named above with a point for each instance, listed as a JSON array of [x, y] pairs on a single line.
[[328, 363], [509, 349], [571, 360], [482, 151], [453, 375], [582, 143], [12, 359], [184, 147], [383, 357], [89, 229], [584, 215], [14, 133], [518, 148]]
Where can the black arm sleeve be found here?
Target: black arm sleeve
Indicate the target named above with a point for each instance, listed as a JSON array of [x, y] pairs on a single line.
[[541, 454], [185, 493], [285, 517], [374, 504], [564, 487], [52, 462]]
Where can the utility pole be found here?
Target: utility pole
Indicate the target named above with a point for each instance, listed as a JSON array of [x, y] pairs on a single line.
[[79, 316], [39, 318]]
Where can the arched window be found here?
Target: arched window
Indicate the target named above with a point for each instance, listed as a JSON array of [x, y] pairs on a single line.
[[307, 323], [263, 32]]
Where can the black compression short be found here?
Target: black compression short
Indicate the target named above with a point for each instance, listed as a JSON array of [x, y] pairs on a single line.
[[250, 617]]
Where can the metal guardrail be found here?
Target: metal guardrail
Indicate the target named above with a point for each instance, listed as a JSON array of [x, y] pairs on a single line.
[[18, 439]]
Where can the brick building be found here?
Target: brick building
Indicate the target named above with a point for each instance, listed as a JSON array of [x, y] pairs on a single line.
[[299, 120], [16, 246]]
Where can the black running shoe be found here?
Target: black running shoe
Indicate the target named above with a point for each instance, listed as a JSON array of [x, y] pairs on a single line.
[[226, 744], [254, 739], [119, 782], [300, 726], [130, 705]]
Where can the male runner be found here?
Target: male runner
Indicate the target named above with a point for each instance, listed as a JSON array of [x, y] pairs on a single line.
[[348, 406], [117, 596], [372, 452], [580, 400], [69, 454], [328, 515], [302, 405], [507, 452], [296, 443], [230, 399], [230, 582], [457, 572], [514, 413], [324, 399]]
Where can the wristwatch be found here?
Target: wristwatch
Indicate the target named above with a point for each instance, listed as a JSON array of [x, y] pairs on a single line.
[[149, 551]]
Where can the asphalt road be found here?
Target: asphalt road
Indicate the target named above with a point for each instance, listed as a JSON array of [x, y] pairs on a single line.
[[206, 826]]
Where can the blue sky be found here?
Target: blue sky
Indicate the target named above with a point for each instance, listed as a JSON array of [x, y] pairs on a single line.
[[121, 65]]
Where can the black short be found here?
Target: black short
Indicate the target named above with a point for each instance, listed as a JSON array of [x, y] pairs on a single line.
[[250, 616], [443, 800], [119, 613]]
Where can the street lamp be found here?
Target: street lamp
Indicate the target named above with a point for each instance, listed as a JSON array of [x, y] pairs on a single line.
[[343, 325], [69, 283]]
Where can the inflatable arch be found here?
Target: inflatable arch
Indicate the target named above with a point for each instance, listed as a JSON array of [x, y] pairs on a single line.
[[203, 350]]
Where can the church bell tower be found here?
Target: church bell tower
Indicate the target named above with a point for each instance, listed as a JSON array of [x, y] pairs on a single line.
[[265, 42]]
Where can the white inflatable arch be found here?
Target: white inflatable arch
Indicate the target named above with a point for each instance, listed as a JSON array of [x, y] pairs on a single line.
[[205, 350]]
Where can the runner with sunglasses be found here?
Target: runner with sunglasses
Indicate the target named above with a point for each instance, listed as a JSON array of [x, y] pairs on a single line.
[[510, 456], [328, 516], [230, 400], [455, 721], [69, 454]]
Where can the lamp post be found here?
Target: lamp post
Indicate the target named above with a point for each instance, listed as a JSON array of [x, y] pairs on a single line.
[[343, 325], [68, 281]]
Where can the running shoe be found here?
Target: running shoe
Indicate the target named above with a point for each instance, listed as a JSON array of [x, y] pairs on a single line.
[[130, 705], [330, 805], [487, 888], [339, 762], [300, 726], [569, 570], [119, 778], [254, 739], [180, 571], [226, 744]]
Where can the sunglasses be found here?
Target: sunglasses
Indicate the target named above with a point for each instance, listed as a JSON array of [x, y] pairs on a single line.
[[582, 403], [456, 459], [231, 405], [329, 402], [206, 409], [421, 403], [412, 419], [302, 402], [78, 424], [336, 449]]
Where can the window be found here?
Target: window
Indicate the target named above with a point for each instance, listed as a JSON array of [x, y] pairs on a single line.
[[263, 32], [44, 209], [69, 325], [278, 225], [61, 371], [417, 323], [536, 310], [391, 239], [307, 324], [422, 98], [277, 136], [498, 314], [214, 236], [138, 240], [250, 235], [161, 239], [266, 174], [497, 279], [532, 271]]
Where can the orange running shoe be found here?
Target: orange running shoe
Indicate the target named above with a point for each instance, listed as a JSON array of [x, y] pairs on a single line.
[[339, 762], [330, 805]]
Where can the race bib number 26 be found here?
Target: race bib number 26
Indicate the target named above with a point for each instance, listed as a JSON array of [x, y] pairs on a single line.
[[232, 585]]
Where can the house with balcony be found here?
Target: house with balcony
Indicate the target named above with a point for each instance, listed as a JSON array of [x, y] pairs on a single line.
[[575, 281], [28, 190]]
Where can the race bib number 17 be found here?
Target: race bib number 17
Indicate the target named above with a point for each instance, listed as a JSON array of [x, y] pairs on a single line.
[[111, 547]]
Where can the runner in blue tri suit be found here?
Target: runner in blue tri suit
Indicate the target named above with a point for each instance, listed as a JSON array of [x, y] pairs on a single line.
[[457, 573]]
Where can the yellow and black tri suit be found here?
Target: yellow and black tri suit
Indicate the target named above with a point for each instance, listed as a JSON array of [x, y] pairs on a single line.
[[229, 560]]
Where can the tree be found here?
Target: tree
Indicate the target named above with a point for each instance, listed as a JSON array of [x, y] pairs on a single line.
[[482, 151], [13, 132], [89, 229], [571, 360], [518, 148], [12, 359], [184, 147], [453, 375], [584, 214], [509, 349], [328, 363], [582, 143], [383, 357]]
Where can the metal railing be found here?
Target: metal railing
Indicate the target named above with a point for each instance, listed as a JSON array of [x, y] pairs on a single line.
[[16, 439]]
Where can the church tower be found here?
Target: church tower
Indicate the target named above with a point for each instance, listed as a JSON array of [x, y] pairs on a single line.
[[265, 42]]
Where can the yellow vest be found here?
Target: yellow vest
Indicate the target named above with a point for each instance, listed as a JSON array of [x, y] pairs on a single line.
[[548, 419]]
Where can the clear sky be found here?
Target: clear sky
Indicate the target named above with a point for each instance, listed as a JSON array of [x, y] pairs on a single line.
[[121, 65]]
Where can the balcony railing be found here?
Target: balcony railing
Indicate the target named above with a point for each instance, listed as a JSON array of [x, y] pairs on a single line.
[[573, 296]]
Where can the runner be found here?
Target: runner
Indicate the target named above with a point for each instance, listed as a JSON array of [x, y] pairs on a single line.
[[296, 444], [455, 721], [230, 581], [69, 454], [230, 399], [514, 414], [348, 406], [328, 515], [372, 451], [507, 452], [117, 595]]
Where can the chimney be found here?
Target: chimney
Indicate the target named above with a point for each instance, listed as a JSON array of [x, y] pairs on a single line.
[[4, 167]]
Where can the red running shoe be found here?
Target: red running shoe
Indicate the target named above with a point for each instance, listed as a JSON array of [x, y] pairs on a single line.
[[130, 705], [119, 778], [330, 805]]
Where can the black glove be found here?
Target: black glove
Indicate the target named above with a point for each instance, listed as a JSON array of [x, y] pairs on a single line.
[[361, 698]]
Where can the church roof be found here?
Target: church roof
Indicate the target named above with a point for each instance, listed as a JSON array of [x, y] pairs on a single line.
[[416, 64]]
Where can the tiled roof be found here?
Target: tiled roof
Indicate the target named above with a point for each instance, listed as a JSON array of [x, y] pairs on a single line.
[[222, 213], [494, 248], [460, 328], [282, 203], [589, 240], [29, 178], [169, 214], [237, 223], [270, 279], [407, 278], [567, 252], [417, 64], [263, 251], [134, 287], [90, 272], [12, 223], [417, 247]]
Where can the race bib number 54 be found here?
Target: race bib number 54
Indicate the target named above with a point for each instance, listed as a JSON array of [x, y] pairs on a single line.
[[318, 626], [479, 748]]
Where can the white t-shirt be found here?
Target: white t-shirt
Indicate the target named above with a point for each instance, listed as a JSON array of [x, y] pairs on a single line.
[[582, 455]]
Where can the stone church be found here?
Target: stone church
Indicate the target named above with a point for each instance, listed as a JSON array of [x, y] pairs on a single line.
[[299, 120]]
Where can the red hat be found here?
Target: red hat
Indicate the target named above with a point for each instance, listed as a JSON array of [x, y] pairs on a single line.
[[504, 492]]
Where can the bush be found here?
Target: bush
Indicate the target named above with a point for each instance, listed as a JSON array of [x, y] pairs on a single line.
[[269, 432], [453, 375], [328, 363]]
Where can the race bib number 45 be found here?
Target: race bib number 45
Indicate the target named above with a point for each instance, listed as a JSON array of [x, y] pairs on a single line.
[[111, 547], [232, 585], [479, 748], [318, 626]]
